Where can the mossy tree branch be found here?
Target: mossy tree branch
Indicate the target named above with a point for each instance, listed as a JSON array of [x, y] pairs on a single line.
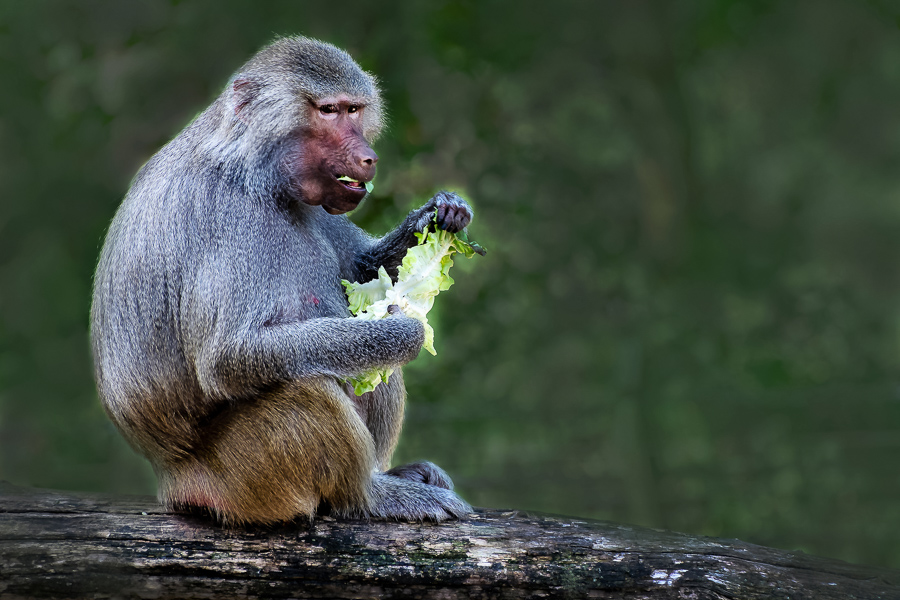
[[74, 545]]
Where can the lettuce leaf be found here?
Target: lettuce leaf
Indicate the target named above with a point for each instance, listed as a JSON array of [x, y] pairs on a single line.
[[424, 273]]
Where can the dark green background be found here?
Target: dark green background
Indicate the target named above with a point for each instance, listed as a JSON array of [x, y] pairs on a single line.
[[690, 313]]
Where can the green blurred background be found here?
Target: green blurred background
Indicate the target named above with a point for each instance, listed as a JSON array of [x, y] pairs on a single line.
[[689, 317]]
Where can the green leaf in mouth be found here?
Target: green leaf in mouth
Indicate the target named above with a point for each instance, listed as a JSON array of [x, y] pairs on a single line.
[[369, 185]]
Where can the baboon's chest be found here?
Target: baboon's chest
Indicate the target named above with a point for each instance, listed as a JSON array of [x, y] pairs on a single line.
[[312, 280]]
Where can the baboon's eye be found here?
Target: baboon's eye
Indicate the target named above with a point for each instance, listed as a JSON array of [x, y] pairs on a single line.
[[352, 108], [328, 109]]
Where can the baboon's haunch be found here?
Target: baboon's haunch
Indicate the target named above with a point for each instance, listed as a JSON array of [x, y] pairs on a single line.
[[219, 323]]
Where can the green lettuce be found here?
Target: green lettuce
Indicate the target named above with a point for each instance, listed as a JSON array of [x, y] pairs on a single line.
[[424, 273]]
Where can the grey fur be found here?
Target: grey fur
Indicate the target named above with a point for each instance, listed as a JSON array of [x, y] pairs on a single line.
[[219, 324]]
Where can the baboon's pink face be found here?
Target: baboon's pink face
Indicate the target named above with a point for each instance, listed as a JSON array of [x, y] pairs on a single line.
[[334, 161]]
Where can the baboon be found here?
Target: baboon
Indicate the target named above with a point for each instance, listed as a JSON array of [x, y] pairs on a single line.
[[219, 324]]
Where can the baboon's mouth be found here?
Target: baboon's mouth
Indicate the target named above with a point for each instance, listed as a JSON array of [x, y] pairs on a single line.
[[354, 184]]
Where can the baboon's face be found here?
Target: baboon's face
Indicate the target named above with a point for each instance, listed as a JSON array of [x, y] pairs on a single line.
[[333, 162]]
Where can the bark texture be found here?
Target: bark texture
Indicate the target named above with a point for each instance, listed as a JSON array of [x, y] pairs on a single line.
[[75, 545]]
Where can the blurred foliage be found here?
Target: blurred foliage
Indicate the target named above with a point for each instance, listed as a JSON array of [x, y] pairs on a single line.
[[689, 314]]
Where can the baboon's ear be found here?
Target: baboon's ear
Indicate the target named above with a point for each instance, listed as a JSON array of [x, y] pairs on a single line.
[[243, 91]]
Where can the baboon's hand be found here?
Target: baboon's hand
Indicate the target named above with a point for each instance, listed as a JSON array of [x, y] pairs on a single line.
[[410, 331], [453, 213]]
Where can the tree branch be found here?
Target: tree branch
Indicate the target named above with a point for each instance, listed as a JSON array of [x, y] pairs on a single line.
[[76, 545]]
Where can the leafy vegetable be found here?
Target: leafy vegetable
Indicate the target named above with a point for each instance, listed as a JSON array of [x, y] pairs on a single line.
[[369, 185], [422, 275]]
